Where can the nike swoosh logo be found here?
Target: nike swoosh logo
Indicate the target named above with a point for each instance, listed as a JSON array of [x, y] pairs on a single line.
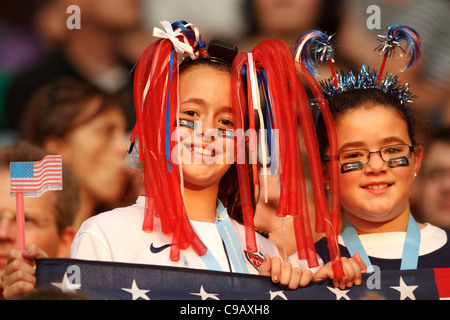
[[154, 249]]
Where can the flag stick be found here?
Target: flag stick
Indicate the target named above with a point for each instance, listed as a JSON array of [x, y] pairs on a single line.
[[20, 220]]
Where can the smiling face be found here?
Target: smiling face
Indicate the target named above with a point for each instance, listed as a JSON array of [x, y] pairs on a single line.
[[377, 193], [205, 101]]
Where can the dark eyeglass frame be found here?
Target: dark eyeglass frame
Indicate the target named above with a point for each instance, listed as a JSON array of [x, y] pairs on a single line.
[[411, 150]]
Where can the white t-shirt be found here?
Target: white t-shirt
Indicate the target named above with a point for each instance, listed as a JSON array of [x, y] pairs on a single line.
[[117, 236]]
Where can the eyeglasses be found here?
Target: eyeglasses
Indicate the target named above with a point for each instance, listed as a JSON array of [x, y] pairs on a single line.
[[395, 155]]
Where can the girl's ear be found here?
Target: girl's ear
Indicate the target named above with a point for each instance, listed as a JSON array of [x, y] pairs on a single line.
[[418, 156], [66, 237]]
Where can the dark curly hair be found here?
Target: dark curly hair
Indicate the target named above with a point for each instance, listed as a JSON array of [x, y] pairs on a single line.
[[365, 98]]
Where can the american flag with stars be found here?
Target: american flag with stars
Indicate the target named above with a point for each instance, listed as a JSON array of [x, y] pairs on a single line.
[[34, 178], [121, 281]]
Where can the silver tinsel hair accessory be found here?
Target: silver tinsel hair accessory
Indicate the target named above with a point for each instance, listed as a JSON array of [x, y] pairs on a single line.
[[366, 78]]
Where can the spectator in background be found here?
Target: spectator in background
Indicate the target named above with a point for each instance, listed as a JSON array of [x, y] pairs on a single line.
[[217, 19], [87, 127], [431, 194], [48, 218], [287, 19], [91, 54], [23, 44]]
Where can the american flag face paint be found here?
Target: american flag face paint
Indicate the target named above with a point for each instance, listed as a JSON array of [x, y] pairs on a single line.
[[193, 125], [398, 162], [352, 166], [223, 133], [392, 163], [187, 124]]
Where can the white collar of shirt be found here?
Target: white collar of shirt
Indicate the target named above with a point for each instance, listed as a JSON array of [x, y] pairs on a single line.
[[389, 245]]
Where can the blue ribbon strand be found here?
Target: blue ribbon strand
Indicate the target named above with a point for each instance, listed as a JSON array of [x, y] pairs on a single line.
[[172, 54], [269, 119]]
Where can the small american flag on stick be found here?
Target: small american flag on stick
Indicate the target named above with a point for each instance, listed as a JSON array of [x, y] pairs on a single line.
[[32, 179]]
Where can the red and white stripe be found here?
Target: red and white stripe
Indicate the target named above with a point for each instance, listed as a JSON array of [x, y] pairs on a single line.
[[46, 173]]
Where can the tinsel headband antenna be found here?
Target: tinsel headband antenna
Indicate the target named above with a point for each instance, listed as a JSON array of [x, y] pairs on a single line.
[[391, 41], [316, 42]]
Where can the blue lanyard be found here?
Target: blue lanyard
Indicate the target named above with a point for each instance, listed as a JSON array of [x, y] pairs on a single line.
[[410, 255], [229, 238]]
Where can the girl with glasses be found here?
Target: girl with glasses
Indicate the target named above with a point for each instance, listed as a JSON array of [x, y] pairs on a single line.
[[379, 158]]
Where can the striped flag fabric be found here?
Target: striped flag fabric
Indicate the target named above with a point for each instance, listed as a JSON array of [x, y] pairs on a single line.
[[100, 280], [34, 178]]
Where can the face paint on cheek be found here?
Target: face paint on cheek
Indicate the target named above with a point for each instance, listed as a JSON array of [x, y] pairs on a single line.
[[229, 134], [187, 124], [398, 162], [351, 166]]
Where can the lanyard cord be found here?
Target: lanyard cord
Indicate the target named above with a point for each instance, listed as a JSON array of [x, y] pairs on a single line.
[[410, 255]]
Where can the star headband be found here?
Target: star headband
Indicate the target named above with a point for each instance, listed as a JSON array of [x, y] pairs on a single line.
[[366, 78], [314, 46]]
